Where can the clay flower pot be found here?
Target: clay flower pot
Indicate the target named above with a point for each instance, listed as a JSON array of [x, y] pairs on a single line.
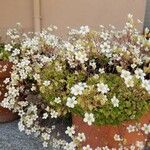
[[5, 114], [103, 135]]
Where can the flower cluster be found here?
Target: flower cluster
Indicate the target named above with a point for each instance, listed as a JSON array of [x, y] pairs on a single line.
[[102, 76]]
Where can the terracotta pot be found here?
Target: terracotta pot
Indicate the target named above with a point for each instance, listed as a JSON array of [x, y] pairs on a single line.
[[5, 114], [103, 135]]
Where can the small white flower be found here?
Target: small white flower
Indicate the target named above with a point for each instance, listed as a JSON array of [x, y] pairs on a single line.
[[6, 80], [57, 100], [146, 128], [81, 56], [89, 118], [8, 47], [84, 30], [115, 101], [87, 147], [105, 47], [146, 85], [131, 128], [33, 88], [45, 136], [92, 63], [125, 74], [101, 70], [16, 52], [132, 147], [69, 46], [70, 146], [46, 83], [129, 82], [45, 144], [140, 145], [70, 131], [103, 88], [139, 73], [81, 137], [71, 102], [133, 66], [45, 116], [78, 88], [117, 137], [54, 114]]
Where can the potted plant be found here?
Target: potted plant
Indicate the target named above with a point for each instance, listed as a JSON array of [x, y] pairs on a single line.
[[103, 79], [100, 77], [5, 74]]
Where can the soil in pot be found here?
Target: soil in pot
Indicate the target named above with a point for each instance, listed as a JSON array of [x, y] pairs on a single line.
[[103, 135], [5, 114]]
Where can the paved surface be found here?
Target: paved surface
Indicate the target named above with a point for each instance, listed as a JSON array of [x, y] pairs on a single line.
[[12, 139]]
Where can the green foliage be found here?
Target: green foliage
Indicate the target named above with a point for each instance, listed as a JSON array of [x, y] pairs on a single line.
[[3, 54], [133, 102]]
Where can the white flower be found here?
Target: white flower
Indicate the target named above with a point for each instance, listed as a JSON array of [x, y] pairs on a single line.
[[103, 88], [146, 128], [69, 46], [8, 47], [139, 73], [89, 118], [45, 136], [36, 76], [45, 116], [81, 56], [46, 83], [54, 114], [129, 82], [132, 147], [92, 63], [105, 47], [133, 65], [16, 52], [131, 128], [57, 100], [70, 146], [104, 35], [125, 74], [70, 131], [45, 144], [115, 101], [6, 80], [140, 145], [78, 88], [84, 30], [117, 137], [87, 147], [71, 102], [101, 70], [81, 137], [146, 85]]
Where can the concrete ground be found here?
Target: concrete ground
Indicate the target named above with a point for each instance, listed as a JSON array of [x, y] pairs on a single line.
[[12, 139]]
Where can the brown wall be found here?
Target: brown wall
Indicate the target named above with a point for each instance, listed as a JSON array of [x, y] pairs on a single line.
[[73, 13]]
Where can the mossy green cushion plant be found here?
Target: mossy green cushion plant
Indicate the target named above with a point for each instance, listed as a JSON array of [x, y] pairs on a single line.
[[133, 101]]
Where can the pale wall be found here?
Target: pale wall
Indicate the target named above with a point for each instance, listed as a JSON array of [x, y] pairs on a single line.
[[90, 12], [13, 11], [71, 13]]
